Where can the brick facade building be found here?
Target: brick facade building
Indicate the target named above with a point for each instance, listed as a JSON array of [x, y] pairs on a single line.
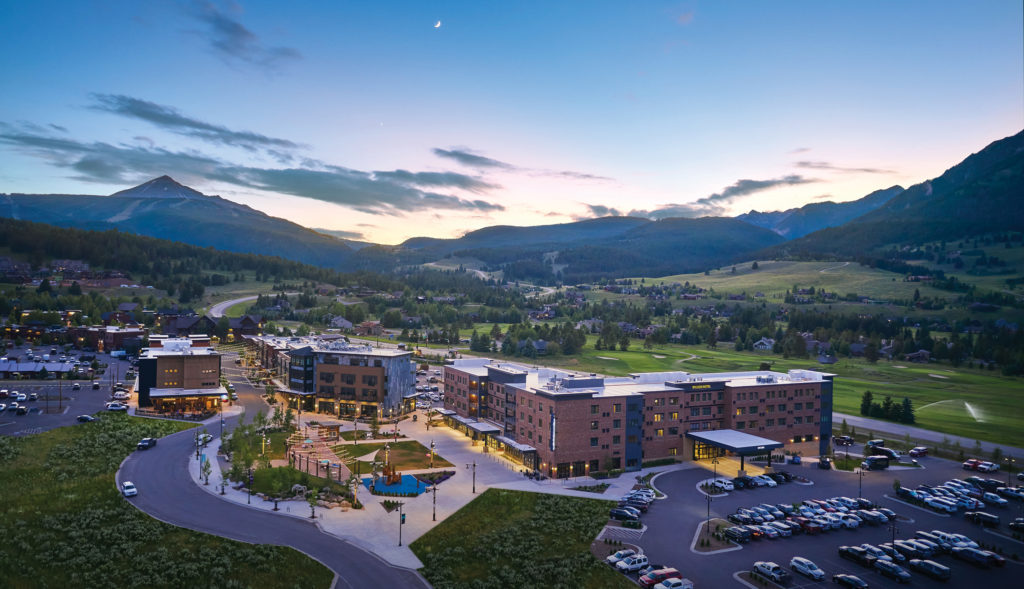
[[567, 424]]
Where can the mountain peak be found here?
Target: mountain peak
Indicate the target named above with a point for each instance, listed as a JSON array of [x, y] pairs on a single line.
[[162, 187]]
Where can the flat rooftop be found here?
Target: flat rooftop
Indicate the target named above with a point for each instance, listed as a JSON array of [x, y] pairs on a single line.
[[735, 441], [327, 345]]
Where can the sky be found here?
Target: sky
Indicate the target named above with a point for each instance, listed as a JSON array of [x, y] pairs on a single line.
[[389, 120]]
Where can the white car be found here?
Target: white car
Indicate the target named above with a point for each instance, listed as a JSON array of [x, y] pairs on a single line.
[[995, 499], [20, 396], [204, 439], [613, 559], [723, 484], [128, 489], [806, 568], [674, 584], [116, 407], [770, 570], [766, 480], [849, 521], [631, 563], [988, 467], [877, 552]]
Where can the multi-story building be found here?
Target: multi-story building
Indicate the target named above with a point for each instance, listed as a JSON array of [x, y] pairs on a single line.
[[564, 424], [179, 375], [330, 375]]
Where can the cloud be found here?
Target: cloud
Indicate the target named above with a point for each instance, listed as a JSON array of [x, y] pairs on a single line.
[[235, 43], [602, 211], [342, 233], [833, 168], [379, 193], [448, 179], [470, 159], [800, 150], [717, 204], [171, 119], [58, 128], [685, 18]]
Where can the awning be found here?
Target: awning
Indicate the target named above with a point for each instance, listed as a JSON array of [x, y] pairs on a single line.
[[176, 393], [477, 426], [513, 444], [444, 411], [734, 441]]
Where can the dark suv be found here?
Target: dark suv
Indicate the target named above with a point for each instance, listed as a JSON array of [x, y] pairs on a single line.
[[980, 517], [857, 555], [146, 443]]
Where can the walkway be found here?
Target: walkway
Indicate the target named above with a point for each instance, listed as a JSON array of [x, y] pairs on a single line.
[[312, 455], [932, 438]]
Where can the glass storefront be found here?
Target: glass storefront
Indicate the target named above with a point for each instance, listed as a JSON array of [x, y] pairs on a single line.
[[704, 451]]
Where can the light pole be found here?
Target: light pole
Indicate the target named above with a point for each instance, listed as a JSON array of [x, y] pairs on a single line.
[[474, 475], [401, 522], [1009, 468], [248, 499], [435, 500], [431, 453], [894, 529], [714, 463], [860, 482]]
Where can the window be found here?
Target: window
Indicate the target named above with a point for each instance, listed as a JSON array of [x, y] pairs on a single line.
[[782, 407], [810, 406], [740, 410], [616, 423], [658, 417], [673, 400], [593, 442], [695, 412], [369, 380], [798, 406], [673, 451], [705, 411], [752, 424], [740, 424], [798, 420], [594, 409], [540, 406], [616, 439], [593, 424], [657, 402], [796, 439], [630, 439], [617, 408], [769, 423], [659, 432], [782, 421], [770, 408], [673, 431], [674, 416]]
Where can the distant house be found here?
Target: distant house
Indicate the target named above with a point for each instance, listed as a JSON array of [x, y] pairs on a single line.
[[857, 349], [765, 344], [183, 325], [369, 328], [341, 323], [921, 356], [826, 359], [245, 325], [128, 307]]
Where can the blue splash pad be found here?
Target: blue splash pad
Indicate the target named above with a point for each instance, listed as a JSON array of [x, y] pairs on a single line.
[[409, 484]]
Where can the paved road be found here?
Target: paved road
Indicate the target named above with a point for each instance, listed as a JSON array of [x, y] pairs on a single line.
[[166, 492], [897, 429], [219, 309]]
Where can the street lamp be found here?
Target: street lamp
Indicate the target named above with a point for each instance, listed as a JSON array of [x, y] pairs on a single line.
[[435, 500], [1009, 468], [860, 482], [474, 475], [894, 529], [714, 463], [431, 453], [707, 524]]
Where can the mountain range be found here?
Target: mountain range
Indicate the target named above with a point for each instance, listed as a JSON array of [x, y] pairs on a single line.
[[981, 194]]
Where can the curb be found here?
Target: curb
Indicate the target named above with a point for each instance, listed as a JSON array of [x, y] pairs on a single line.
[[696, 536]]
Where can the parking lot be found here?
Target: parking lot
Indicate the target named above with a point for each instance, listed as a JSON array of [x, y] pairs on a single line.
[[59, 404], [673, 521]]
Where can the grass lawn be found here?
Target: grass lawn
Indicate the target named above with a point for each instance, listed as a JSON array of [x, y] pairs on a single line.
[[973, 403], [66, 525], [264, 480], [238, 309], [274, 448], [518, 539], [407, 455]]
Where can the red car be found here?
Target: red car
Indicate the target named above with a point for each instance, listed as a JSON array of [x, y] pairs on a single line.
[[654, 577], [919, 451], [971, 464]]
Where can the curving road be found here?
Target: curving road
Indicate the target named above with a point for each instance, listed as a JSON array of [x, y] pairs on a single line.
[[167, 492]]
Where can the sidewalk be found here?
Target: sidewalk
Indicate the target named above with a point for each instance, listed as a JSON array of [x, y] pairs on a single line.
[[376, 530]]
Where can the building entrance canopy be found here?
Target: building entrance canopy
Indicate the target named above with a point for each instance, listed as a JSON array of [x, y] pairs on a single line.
[[740, 443]]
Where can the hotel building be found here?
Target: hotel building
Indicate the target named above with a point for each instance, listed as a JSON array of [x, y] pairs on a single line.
[[565, 424], [179, 375]]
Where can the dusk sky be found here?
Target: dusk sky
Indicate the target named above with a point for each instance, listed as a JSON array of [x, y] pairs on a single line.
[[369, 118]]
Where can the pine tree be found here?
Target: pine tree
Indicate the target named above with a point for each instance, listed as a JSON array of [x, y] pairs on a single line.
[[865, 403], [908, 411]]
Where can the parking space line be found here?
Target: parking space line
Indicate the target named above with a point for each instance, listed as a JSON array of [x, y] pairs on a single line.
[[931, 511]]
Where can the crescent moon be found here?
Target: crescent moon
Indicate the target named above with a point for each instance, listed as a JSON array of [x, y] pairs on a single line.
[[438, 25]]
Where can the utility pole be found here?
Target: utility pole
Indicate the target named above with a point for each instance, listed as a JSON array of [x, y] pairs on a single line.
[[431, 453], [707, 525], [435, 500], [860, 482]]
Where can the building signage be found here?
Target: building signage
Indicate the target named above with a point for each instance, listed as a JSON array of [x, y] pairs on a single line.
[[698, 387], [552, 433]]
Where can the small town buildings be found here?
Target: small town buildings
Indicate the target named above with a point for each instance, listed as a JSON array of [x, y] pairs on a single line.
[[107, 338], [330, 375], [765, 344], [180, 376]]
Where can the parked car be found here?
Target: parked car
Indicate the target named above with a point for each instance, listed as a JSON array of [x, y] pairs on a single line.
[[892, 570], [146, 443], [612, 559], [987, 466], [658, 576], [675, 584], [910, 549], [723, 484], [930, 568], [771, 570], [994, 499], [76, 387], [117, 407], [975, 556], [128, 489], [23, 410], [631, 563], [982, 518], [743, 482], [842, 441], [825, 463], [851, 581], [95, 385], [918, 451], [766, 481], [622, 515], [876, 552], [782, 528], [896, 555], [857, 555], [13, 406], [738, 534], [86, 418], [806, 568]]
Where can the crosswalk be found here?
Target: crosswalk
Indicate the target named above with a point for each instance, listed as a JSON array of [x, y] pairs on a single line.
[[623, 534]]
